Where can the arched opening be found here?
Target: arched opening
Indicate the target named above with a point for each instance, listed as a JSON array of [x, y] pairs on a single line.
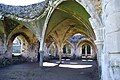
[[27, 45], [66, 51], [52, 52], [83, 50], [20, 49], [17, 47], [86, 51]]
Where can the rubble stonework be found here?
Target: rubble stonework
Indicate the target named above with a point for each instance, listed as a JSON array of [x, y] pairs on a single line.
[[30, 11]]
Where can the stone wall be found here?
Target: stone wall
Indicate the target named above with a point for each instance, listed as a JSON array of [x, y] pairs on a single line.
[[30, 11], [111, 19]]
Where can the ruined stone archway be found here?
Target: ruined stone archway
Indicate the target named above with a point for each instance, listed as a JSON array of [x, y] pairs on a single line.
[[31, 46], [10, 43]]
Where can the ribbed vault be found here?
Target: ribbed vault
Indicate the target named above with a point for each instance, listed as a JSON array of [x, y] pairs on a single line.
[[68, 19]]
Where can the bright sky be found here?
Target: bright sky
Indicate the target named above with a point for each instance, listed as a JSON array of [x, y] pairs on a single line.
[[20, 2]]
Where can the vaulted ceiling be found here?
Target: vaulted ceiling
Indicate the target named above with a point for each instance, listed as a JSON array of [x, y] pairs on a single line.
[[68, 19], [10, 29]]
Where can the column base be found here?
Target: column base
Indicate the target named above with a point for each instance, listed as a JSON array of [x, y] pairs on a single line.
[[41, 58]]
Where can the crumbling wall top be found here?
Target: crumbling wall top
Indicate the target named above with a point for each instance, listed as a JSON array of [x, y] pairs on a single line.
[[26, 12]]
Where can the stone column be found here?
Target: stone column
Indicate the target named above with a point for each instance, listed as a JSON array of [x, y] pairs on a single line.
[[1, 49], [60, 53], [93, 54], [80, 51], [41, 58], [7, 48], [5, 45], [56, 52], [73, 51], [99, 30], [41, 52], [86, 51], [91, 50], [47, 51], [99, 45], [77, 54]]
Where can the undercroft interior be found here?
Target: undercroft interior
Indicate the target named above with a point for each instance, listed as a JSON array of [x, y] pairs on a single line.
[[60, 40]]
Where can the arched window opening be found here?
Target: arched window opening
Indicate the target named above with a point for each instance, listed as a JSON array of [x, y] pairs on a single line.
[[52, 51], [66, 51], [17, 47], [83, 50], [86, 51]]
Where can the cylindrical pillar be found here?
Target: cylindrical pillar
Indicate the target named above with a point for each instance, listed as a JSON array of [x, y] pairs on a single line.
[[41, 58]]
